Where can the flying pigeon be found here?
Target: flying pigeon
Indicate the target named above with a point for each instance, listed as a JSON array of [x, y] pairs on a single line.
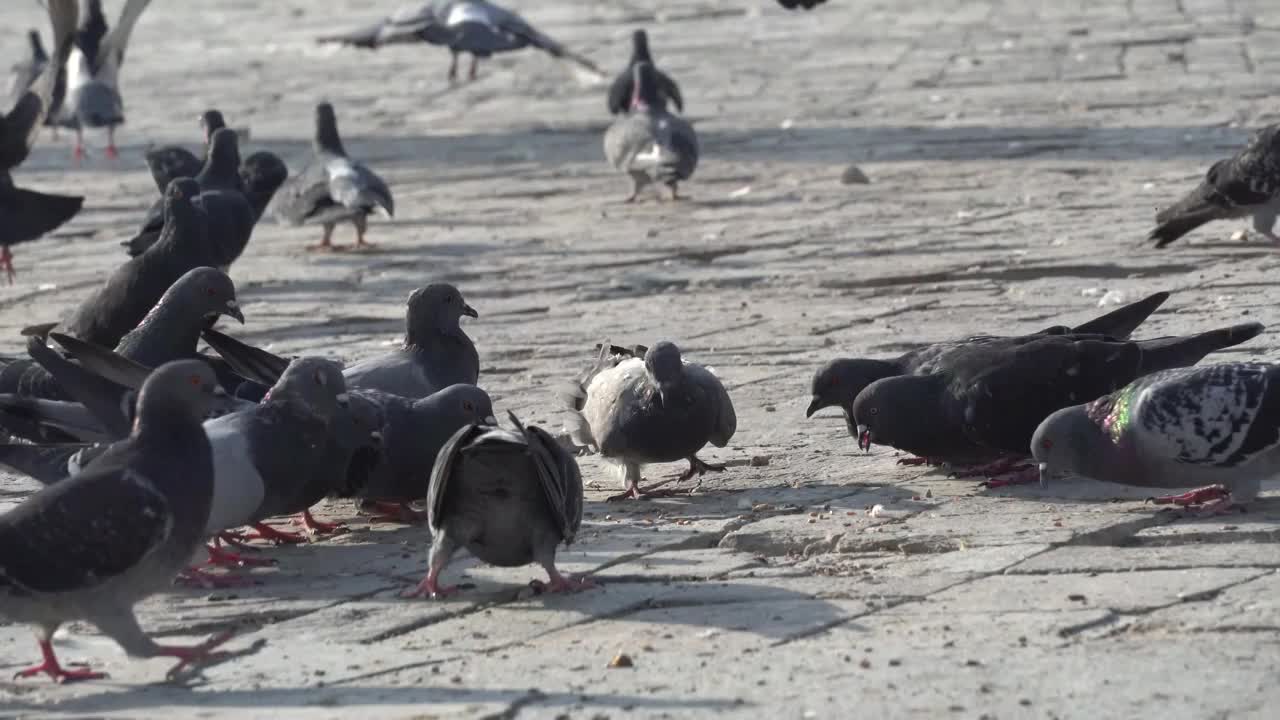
[[26, 214], [1216, 426], [839, 381], [654, 409], [623, 87], [510, 497], [333, 188], [464, 26], [92, 546], [1246, 184], [93, 97], [649, 143], [984, 405]]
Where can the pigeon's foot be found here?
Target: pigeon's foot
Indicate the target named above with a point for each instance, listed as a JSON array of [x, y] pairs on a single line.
[[325, 247], [193, 654], [78, 155], [363, 245], [226, 558], [1026, 475], [54, 669], [112, 153], [401, 512], [562, 584], [919, 461], [194, 577], [1003, 466], [430, 587], [1214, 500], [656, 490], [699, 468], [263, 531], [6, 263], [317, 527]]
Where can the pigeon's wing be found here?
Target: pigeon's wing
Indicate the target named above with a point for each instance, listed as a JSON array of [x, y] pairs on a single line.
[[355, 186], [629, 137], [1233, 187], [305, 197], [413, 22], [619, 99], [558, 477], [40, 420], [76, 534], [513, 24], [110, 402], [170, 163], [726, 420], [1121, 322], [19, 128], [573, 394], [1220, 415], [442, 472], [111, 51], [107, 363], [668, 88], [249, 362], [49, 463]]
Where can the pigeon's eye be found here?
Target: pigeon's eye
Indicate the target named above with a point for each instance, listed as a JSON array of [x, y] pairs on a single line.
[[210, 291], [468, 406], [196, 381], [448, 298], [1047, 444], [873, 411]]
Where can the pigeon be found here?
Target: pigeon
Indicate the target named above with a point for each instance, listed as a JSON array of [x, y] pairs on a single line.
[[412, 434], [657, 409], [436, 353], [984, 405], [92, 546], [93, 74], [356, 441], [839, 381], [649, 143], [623, 87], [333, 188], [26, 214], [1246, 184], [1216, 426], [510, 497], [170, 162], [133, 289], [805, 4], [472, 26]]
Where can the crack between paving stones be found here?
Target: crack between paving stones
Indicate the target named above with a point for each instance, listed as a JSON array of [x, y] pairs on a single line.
[[254, 622]]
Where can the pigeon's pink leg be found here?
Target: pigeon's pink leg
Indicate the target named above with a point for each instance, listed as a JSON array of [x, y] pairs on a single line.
[[197, 578], [112, 153], [430, 586], [193, 653], [1002, 466], [264, 531], [313, 525], [561, 583], [1215, 498], [396, 512], [226, 558], [918, 461], [54, 669], [1024, 475], [6, 263]]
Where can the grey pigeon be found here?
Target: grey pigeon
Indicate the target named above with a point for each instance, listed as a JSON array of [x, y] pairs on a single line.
[[1216, 426], [510, 497], [472, 26], [93, 97], [839, 381], [803, 4], [27, 215], [651, 410], [170, 162], [649, 143], [623, 87], [333, 188], [985, 406], [91, 547], [1246, 184], [355, 445], [436, 352], [133, 289]]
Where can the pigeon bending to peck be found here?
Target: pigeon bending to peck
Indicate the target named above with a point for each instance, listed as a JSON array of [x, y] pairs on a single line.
[[510, 497], [1216, 426], [838, 382], [623, 87], [93, 97], [90, 547], [1244, 185], [654, 409], [333, 188], [477, 27], [650, 144]]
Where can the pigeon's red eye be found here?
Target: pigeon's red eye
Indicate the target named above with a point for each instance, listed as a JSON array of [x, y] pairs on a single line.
[[210, 291], [195, 380], [835, 382], [1047, 444]]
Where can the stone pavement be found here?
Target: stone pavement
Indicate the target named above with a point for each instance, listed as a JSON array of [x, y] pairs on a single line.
[[1016, 151]]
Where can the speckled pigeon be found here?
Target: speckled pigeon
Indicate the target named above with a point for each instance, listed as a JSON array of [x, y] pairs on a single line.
[[623, 87], [1216, 426], [510, 497], [654, 409], [91, 547], [650, 144]]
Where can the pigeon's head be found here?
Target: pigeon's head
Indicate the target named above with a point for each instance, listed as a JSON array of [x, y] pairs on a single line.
[[208, 291], [839, 381], [327, 137], [640, 45], [436, 308], [37, 47], [645, 90], [315, 382], [665, 367], [262, 174], [464, 405], [211, 121], [178, 197], [1068, 442], [224, 149], [179, 389], [890, 411]]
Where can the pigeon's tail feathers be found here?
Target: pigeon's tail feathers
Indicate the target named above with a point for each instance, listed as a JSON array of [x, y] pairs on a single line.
[[573, 394], [41, 213], [1178, 225], [1121, 322], [46, 464], [41, 420], [369, 37], [1176, 352]]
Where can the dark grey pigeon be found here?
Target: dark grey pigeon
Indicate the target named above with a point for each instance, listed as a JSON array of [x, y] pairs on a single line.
[[804, 4], [1216, 426], [477, 27], [412, 434], [510, 497], [356, 446], [623, 87], [839, 381], [91, 547], [985, 406], [650, 144], [652, 410], [27, 215], [136, 286], [436, 352], [1246, 184], [170, 162], [93, 73], [333, 188]]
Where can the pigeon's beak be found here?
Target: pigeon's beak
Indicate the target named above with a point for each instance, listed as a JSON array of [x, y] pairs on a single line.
[[491, 420], [864, 438], [1044, 473], [814, 406], [233, 310], [218, 392], [376, 437], [469, 311], [343, 400]]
